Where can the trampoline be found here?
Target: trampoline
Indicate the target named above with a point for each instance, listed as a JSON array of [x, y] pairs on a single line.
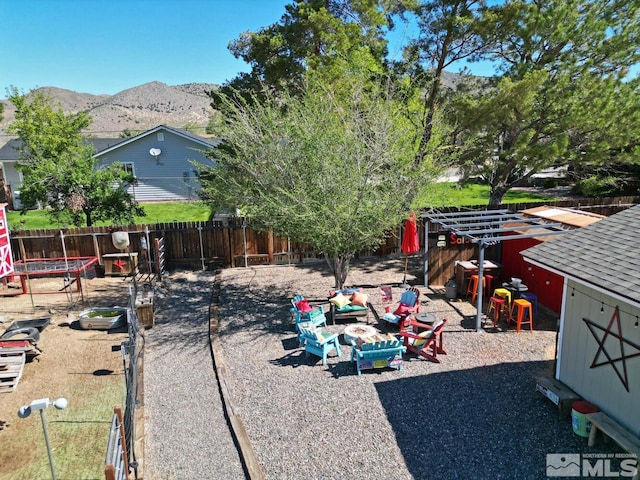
[[75, 267]]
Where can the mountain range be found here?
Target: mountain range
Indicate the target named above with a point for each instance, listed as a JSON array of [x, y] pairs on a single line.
[[148, 105], [137, 109]]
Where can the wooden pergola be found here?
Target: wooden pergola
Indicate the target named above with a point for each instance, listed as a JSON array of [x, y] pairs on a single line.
[[486, 227]]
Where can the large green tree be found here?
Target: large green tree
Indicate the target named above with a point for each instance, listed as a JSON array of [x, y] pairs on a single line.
[[447, 35], [564, 66], [59, 169], [329, 37], [327, 170]]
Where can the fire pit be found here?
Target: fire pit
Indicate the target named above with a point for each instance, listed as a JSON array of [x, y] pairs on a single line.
[[356, 331]]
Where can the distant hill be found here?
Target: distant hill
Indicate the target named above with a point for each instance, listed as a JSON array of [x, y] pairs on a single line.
[[138, 108], [151, 104]]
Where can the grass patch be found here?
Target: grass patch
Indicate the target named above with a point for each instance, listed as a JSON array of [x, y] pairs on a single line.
[[78, 435], [452, 195], [155, 213], [435, 195]]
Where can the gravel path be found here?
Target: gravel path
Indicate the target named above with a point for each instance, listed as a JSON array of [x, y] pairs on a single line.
[[476, 415], [186, 431]]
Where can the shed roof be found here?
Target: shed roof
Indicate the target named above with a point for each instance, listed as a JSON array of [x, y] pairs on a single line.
[[566, 216], [604, 254]]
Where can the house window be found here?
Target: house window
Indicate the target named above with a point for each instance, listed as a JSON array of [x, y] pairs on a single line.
[[128, 167], [160, 137]]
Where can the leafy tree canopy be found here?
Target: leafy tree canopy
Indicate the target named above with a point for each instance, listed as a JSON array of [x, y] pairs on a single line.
[[59, 169], [327, 36], [332, 173], [564, 66]]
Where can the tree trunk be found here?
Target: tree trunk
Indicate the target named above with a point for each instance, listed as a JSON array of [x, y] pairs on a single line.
[[434, 90], [496, 195], [339, 265]]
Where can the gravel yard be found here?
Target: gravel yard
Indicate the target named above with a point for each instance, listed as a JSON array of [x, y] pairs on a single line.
[[476, 415]]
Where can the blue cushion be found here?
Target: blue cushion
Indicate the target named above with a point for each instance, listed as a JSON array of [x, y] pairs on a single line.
[[390, 317]]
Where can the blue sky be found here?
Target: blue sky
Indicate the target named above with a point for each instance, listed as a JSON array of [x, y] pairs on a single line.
[[105, 46]]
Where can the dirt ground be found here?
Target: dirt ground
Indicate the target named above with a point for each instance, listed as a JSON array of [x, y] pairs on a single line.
[[72, 359]]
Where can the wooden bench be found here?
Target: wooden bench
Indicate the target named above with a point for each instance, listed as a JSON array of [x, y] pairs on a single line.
[[380, 354], [253, 259], [338, 315], [558, 393], [600, 421]]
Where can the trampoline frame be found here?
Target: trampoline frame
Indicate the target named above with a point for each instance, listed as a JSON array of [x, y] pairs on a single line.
[[87, 263]]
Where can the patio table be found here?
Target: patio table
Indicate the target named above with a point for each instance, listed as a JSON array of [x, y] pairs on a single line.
[[515, 291]]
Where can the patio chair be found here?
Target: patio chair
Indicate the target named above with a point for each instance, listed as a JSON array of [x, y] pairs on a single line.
[[409, 303], [305, 313], [318, 343], [380, 352], [428, 343]]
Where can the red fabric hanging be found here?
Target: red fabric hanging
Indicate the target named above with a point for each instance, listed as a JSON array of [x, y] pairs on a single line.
[[410, 241]]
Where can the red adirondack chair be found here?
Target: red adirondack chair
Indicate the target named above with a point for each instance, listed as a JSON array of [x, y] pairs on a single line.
[[409, 303], [428, 343]]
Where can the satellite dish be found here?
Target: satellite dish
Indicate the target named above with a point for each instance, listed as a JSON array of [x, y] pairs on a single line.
[[155, 152]]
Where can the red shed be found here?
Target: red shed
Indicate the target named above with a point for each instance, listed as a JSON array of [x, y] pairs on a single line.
[[547, 285]]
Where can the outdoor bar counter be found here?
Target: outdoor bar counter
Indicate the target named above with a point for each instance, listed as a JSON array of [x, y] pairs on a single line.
[[464, 269]]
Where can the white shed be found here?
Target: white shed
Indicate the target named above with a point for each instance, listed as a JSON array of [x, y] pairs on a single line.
[[599, 335]]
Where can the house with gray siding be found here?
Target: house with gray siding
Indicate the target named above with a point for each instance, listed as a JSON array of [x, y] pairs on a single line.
[[162, 160], [599, 334]]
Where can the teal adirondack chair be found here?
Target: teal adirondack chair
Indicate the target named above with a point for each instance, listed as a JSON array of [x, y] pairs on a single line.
[[316, 316], [381, 354], [318, 343]]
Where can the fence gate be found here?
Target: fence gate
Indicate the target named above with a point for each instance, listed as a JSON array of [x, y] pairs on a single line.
[[116, 466]]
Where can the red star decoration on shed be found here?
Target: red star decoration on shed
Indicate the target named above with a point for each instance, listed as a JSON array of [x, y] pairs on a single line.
[[119, 264], [602, 347]]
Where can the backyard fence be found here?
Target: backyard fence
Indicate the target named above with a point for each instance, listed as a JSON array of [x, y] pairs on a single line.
[[231, 242], [203, 245], [116, 463], [121, 449]]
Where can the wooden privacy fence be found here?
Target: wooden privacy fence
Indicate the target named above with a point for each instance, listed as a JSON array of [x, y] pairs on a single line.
[[204, 245], [232, 243]]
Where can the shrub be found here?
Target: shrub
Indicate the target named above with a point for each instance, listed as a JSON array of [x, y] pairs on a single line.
[[596, 187]]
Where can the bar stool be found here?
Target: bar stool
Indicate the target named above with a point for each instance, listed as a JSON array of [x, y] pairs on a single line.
[[504, 293], [524, 310], [499, 305], [533, 298], [472, 286], [489, 284]]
